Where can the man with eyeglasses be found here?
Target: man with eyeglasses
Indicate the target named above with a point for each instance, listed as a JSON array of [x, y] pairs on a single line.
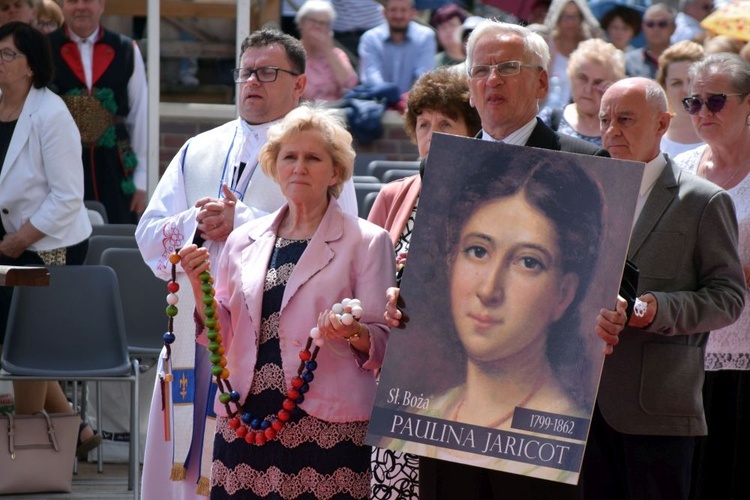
[[101, 77], [649, 408], [657, 26], [688, 19], [213, 185], [507, 71]]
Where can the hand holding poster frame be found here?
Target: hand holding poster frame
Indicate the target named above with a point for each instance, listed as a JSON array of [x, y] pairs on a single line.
[[515, 252]]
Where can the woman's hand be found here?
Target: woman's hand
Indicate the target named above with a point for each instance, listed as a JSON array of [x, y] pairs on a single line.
[[609, 324], [14, 244], [332, 328], [393, 315], [194, 260]]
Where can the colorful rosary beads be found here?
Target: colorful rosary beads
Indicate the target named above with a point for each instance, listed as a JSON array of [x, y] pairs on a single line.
[[252, 428]]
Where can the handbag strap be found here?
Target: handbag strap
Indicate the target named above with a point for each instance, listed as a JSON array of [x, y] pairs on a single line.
[[12, 433]]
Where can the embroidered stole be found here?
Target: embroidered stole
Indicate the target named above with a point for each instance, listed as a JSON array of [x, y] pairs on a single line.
[[205, 167]]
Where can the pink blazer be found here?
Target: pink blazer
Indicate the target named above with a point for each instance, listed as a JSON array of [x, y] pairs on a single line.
[[394, 205], [347, 257]]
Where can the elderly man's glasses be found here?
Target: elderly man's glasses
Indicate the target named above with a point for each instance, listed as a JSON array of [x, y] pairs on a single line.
[[654, 24], [266, 74], [507, 68], [714, 103], [8, 55]]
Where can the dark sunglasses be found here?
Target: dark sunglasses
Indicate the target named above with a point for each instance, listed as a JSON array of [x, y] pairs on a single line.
[[714, 103], [653, 24]]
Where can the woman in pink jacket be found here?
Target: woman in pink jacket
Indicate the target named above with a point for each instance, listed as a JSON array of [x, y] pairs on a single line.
[[278, 277]]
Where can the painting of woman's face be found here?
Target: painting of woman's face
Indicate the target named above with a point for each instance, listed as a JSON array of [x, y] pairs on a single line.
[[506, 281]]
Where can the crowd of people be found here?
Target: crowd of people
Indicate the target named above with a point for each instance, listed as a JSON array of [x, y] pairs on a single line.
[[283, 241]]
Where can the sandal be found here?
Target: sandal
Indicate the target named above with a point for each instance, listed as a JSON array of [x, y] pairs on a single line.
[[84, 447]]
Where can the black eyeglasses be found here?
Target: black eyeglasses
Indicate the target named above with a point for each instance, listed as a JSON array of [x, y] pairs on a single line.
[[714, 103], [654, 24], [266, 74], [8, 55]]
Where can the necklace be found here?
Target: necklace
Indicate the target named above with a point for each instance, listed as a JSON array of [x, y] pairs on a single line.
[[709, 162], [7, 117], [500, 421], [254, 429]]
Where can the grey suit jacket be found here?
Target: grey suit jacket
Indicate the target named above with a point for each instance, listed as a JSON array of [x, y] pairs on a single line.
[[685, 246]]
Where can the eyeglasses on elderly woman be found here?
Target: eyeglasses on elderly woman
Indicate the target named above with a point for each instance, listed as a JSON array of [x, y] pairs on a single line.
[[714, 103], [8, 55]]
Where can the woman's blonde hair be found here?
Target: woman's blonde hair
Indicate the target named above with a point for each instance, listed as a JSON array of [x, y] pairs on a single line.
[[680, 52], [596, 50], [329, 123], [50, 9]]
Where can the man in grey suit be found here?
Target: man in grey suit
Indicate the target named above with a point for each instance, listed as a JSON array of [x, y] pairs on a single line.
[[684, 241]]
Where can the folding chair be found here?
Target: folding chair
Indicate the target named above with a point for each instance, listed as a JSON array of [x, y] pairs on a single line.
[[73, 330]]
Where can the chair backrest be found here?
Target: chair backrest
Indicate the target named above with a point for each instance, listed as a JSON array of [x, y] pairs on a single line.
[[95, 218], [97, 206], [365, 179], [143, 301], [379, 168], [367, 205], [361, 190], [113, 230], [73, 326], [397, 173], [362, 160], [99, 243]]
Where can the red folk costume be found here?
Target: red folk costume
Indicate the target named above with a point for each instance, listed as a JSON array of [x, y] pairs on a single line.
[[101, 112]]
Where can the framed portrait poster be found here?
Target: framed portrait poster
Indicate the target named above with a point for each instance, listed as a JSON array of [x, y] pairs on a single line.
[[514, 252]]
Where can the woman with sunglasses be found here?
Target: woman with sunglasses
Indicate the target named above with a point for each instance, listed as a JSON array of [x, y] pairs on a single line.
[[719, 105]]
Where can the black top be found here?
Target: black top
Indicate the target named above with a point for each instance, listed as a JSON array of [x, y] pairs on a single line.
[[6, 133]]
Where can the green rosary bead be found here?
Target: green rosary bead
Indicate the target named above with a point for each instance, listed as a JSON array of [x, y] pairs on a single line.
[[171, 311]]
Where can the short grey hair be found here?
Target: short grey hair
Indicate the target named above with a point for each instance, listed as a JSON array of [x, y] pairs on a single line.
[[535, 48], [724, 63], [661, 7], [315, 7], [655, 96]]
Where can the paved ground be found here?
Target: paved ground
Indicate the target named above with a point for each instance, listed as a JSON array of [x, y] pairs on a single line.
[[112, 484]]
